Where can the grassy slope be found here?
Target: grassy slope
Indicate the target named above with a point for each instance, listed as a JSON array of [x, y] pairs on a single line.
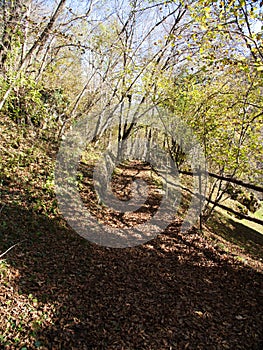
[[241, 237]]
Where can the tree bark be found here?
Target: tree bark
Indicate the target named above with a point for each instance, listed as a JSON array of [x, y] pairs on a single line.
[[42, 39]]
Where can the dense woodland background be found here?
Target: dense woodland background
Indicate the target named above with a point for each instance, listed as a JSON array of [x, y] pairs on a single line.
[[200, 61]]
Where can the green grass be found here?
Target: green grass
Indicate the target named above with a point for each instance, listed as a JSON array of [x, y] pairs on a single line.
[[3, 268], [254, 226], [246, 235], [259, 213], [250, 224]]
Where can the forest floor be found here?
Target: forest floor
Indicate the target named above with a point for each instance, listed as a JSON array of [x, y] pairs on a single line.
[[194, 290]]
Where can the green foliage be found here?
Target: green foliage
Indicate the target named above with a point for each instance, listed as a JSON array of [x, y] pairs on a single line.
[[31, 104], [225, 114], [206, 69]]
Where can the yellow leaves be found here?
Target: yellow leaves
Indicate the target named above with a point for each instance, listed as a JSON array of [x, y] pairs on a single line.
[[259, 65], [158, 42], [199, 313], [207, 12]]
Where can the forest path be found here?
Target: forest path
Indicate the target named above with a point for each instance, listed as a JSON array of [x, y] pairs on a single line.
[[177, 291]]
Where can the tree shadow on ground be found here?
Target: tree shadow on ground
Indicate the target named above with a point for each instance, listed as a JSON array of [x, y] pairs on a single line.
[[175, 292], [248, 239]]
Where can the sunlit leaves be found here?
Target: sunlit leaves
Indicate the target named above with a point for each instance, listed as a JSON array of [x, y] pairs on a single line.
[[226, 114]]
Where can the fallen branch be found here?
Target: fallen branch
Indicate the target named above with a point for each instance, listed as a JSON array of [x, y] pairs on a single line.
[[198, 195], [2, 208], [13, 246], [224, 178]]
